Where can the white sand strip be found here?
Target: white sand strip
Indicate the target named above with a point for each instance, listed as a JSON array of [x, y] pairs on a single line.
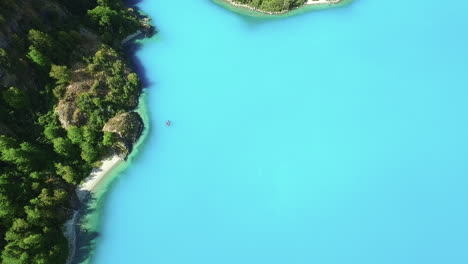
[[321, 2], [96, 176], [82, 192], [309, 2]]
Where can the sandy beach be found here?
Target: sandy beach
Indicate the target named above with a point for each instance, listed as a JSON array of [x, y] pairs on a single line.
[[321, 2], [96, 176], [309, 2], [82, 191]]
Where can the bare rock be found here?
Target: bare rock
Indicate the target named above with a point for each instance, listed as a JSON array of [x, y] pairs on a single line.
[[67, 109], [128, 126], [69, 114]]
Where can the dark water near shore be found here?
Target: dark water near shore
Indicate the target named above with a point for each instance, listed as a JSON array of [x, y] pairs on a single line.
[[330, 137]]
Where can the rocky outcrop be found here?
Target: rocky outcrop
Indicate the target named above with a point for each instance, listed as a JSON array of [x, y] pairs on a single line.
[[67, 109], [128, 128], [146, 30], [69, 114]]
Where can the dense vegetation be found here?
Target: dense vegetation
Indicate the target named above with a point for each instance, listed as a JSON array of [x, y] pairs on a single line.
[[272, 5], [56, 56]]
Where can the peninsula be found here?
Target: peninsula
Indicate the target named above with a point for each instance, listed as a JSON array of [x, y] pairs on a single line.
[[67, 95]]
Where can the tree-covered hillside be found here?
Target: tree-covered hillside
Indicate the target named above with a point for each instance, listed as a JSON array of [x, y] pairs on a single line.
[[272, 5], [63, 76]]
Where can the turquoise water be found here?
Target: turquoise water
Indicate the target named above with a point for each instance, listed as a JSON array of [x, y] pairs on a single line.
[[329, 137]]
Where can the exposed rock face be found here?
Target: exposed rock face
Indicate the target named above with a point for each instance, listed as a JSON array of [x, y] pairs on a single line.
[[67, 109], [128, 126], [69, 114], [145, 22]]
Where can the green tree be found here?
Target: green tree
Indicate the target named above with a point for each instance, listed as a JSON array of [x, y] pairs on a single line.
[[63, 146], [7, 207], [89, 152], [34, 214], [51, 132], [133, 79], [38, 57], [103, 16], [59, 91], [108, 139], [16, 98], [7, 142], [113, 21], [75, 135], [61, 73], [89, 134], [67, 173], [26, 157], [41, 50], [40, 40]]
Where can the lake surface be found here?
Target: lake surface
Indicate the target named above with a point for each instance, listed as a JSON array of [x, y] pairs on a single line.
[[329, 137]]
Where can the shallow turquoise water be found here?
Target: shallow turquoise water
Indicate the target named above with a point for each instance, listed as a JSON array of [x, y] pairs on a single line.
[[331, 137]]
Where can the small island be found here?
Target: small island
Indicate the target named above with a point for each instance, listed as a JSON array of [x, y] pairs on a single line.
[[278, 6]]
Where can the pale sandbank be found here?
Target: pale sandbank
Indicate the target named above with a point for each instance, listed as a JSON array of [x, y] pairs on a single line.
[[82, 191], [308, 3], [96, 176]]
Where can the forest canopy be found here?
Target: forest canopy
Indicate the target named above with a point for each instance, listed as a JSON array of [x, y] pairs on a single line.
[[63, 76], [272, 5]]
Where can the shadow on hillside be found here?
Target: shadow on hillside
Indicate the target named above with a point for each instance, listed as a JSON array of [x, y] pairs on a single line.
[[133, 47], [132, 3], [85, 239], [137, 65]]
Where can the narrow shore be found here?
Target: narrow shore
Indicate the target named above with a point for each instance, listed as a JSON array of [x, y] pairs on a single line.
[[82, 191], [96, 176], [317, 2], [308, 3]]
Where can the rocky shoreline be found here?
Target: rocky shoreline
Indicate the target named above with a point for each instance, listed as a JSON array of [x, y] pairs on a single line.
[[129, 127]]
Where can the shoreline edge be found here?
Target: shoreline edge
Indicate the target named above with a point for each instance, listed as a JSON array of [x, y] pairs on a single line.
[[83, 191], [308, 3]]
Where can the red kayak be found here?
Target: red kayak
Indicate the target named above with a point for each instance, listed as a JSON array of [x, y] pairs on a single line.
[[168, 123]]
